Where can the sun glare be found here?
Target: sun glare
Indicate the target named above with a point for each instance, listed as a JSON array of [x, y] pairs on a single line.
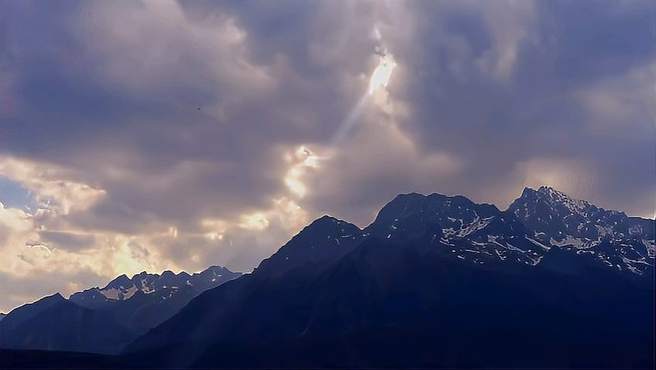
[[381, 75]]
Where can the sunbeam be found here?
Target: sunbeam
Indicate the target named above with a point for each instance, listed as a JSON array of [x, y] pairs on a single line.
[[380, 78]]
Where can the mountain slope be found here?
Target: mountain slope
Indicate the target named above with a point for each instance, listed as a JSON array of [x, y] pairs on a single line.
[[320, 243], [434, 281], [54, 323], [312, 251]]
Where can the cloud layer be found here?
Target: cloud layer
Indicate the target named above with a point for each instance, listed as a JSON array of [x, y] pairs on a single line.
[[161, 134]]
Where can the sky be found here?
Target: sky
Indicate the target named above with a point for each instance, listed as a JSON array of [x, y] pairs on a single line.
[[154, 135]]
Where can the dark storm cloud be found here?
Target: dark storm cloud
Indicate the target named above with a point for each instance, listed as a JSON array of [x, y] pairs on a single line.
[[162, 104]]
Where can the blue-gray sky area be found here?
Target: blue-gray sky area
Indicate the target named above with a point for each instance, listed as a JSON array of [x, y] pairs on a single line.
[[152, 135]]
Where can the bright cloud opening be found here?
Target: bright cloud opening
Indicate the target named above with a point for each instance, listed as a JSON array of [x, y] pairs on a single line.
[[302, 160], [383, 72]]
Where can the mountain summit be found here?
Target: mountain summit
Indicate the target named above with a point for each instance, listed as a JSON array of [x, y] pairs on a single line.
[[323, 241], [611, 237]]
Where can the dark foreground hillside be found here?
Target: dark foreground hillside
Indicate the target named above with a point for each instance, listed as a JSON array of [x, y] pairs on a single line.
[[24, 359], [391, 307], [385, 306]]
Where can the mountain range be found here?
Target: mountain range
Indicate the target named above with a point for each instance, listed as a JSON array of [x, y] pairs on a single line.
[[103, 320], [434, 281]]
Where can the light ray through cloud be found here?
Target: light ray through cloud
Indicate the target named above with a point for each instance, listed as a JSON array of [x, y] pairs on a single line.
[[349, 122], [380, 78]]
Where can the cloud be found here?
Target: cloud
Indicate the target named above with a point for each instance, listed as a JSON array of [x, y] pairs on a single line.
[[163, 134], [53, 191], [67, 240]]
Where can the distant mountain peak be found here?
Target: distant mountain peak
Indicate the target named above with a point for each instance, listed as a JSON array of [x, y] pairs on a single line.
[[327, 220], [557, 202], [555, 197], [547, 189], [328, 224], [214, 270], [325, 239], [123, 288], [416, 214], [120, 282]]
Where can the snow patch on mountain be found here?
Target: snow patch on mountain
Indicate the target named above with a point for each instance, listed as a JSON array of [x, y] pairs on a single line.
[[119, 294]]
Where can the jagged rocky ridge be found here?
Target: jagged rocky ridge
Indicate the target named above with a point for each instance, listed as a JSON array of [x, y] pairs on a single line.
[[533, 224], [165, 286]]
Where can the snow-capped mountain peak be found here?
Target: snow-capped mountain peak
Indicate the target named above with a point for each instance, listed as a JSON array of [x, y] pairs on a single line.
[[409, 215], [555, 215], [557, 198], [559, 220], [536, 222]]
